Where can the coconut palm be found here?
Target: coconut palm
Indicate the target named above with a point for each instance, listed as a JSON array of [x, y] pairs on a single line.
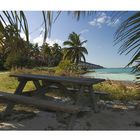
[[15, 19], [125, 32], [57, 54], [19, 20], [34, 51], [128, 34], [46, 53], [76, 52], [11, 43]]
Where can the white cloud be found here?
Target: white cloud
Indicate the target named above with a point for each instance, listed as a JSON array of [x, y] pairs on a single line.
[[103, 19], [22, 35], [84, 31], [39, 40], [51, 42]]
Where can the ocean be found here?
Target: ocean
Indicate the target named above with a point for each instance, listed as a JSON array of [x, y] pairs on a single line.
[[120, 74]]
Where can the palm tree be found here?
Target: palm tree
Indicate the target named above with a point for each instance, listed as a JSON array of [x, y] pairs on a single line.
[[34, 51], [76, 52], [57, 54], [12, 45], [19, 20], [128, 31], [46, 52], [128, 34]]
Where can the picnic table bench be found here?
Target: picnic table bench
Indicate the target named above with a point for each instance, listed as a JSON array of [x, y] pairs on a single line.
[[42, 82]]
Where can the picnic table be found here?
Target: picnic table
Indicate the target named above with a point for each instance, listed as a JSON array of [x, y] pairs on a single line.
[[42, 82]]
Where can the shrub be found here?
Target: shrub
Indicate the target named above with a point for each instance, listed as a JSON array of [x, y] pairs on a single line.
[[15, 60], [119, 90], [67, 68]]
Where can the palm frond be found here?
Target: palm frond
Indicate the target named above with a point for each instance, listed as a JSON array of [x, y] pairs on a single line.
[[26, 29], [83, 49], [68, 43], [83, 42], [79, 14], [48, 19], [129, 35]]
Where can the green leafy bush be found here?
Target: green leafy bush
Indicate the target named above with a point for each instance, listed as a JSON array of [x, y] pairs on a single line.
[[67, 68], [119, 90], [15, 60]]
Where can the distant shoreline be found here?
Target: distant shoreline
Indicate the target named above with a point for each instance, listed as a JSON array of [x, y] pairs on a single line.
[[116, 74]]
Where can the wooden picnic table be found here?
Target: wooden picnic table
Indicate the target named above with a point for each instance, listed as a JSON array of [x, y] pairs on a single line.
[[58, 81], [42, 82]]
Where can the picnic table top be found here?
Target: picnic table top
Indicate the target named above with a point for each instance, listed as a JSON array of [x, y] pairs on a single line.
[[78, 80]]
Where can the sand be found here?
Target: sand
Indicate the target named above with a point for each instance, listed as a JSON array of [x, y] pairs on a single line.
[[106, 119]]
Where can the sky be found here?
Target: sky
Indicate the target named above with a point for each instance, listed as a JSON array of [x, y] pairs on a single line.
[[98, 30]]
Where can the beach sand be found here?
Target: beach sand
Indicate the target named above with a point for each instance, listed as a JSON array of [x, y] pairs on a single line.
[[106, 119]]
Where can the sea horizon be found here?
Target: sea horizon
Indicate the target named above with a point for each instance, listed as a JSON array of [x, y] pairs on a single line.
[[118, 74]]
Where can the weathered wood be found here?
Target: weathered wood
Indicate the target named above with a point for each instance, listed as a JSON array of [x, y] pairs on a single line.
[[77, 80], [39, 103], [39, 92], [74, 116], [47, 81], [77, 90], [57, 85], [18, 91], [37, 84], [93, 98]]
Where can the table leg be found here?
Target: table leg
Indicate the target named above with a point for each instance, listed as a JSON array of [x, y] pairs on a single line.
[[74, 116], [44, 83], [18, 91], [37, 84], [40, 89], [93, 99]]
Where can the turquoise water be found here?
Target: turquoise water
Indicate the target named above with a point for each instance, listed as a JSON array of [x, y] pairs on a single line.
[[121, 74]]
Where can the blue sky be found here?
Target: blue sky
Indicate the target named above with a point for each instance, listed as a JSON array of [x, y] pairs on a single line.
[[98, 30]]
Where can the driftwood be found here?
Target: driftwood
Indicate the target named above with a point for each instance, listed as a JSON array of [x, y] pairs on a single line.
[[39, 103]]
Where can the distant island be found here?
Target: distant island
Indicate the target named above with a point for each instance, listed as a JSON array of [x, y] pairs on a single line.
[[87, 65]]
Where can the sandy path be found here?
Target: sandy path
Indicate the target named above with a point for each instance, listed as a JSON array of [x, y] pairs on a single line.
[[105, 120]]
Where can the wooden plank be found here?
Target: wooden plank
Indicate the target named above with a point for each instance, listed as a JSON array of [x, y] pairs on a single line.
[[39, 92], [37, 84], [77, 90], [93, 98], [18, 91], [78, 80], [39, 103], [78, 102]]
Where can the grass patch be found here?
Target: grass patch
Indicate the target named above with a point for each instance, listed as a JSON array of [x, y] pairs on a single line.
[[116, 90], [119, 90], [9, 84]]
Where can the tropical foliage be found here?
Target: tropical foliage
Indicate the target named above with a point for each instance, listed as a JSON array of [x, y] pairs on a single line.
[[128, 35], [52, 55], [66, 68], [16, 52], [12, 45], [75, 53], [13, 23], [17, 24]]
